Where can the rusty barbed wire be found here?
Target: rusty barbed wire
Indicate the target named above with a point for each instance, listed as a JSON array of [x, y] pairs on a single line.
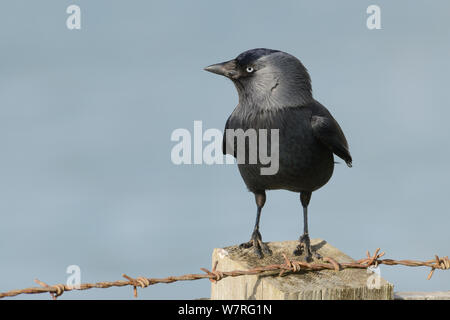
[[289, 266]]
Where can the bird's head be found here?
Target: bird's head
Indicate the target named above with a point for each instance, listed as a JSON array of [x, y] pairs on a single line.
[[267, 78]]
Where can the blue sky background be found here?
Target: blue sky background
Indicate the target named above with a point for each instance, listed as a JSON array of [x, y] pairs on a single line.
[[86, 118]]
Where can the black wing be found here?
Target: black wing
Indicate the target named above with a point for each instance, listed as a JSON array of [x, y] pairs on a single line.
[[328, 131]]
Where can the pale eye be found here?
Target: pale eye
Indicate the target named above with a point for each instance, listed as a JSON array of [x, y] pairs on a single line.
[[250, 69]]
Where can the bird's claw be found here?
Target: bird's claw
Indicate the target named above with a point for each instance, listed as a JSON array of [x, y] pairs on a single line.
[[304, 247], [259, 247]]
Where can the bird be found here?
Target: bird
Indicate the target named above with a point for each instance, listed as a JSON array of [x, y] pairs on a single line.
[[275, 92]]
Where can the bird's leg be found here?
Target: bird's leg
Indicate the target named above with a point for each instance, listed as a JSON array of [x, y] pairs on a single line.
[[305, 242], [256, 240]]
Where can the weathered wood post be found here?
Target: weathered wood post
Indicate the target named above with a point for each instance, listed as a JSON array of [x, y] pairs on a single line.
[[348, 284]]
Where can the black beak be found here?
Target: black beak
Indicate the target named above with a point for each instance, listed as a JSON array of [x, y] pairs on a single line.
[[227, 69]]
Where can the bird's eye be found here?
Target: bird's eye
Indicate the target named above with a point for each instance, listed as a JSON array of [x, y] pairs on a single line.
[[250, 69]]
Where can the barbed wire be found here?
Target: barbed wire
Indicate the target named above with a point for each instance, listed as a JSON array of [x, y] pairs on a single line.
[[289, 266]]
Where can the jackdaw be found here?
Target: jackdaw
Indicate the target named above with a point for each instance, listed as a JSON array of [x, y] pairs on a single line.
[[275, 92]]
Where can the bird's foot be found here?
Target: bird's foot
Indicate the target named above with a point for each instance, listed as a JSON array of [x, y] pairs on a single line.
[[259, 247], [305, 248]]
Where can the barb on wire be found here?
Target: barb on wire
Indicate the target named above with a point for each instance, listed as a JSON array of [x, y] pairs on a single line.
[[289, 266]]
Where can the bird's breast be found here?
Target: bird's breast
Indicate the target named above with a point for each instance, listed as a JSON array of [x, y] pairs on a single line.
[[304, 164]]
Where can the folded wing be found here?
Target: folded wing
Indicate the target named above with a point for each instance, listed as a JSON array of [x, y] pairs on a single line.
[[328, 132]]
